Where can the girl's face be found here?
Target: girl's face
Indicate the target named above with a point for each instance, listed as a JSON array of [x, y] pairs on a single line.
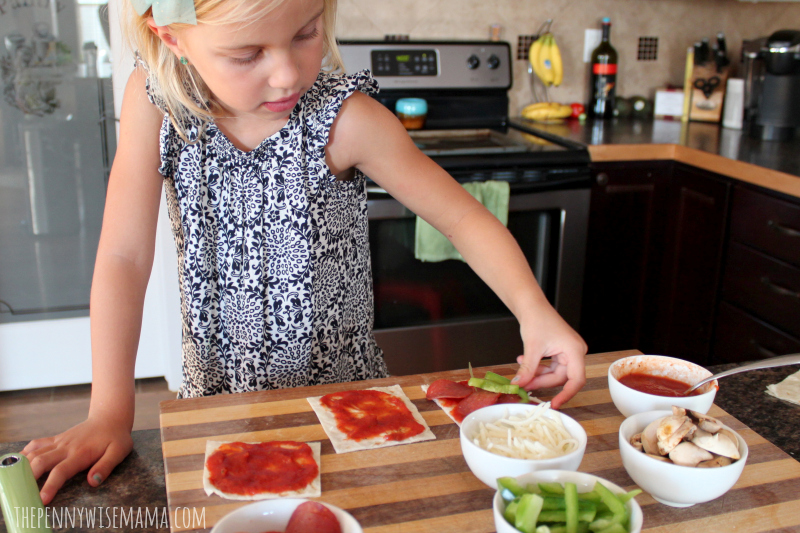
[[261, 68]]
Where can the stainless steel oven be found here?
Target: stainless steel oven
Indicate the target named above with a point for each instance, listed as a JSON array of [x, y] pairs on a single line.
[[440, 315]]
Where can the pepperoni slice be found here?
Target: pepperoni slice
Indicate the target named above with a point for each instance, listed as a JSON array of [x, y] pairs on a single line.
[[313, 517], [274, 467], [473, 402], [444, 388], [508, 398]]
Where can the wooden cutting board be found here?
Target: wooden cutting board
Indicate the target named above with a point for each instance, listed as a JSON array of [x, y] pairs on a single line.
[[427, 486]]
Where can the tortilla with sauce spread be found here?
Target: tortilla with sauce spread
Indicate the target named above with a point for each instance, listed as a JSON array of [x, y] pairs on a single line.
[[371, 418], [255, 461]]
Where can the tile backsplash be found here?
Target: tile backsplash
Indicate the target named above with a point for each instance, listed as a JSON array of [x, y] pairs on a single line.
[[676, 23]]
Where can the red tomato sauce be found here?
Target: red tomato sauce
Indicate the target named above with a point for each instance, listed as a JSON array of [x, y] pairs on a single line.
[[658, 385], [365, 414], [279, 466]]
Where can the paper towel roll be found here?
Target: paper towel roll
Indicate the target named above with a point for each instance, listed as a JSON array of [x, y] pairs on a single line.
[[22, 506]]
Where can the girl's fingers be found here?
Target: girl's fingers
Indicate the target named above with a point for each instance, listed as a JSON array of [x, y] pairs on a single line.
[[45, 459], [103, 467], [571, 388], [546, 381], [34, 445], [527, 371], [58, 476]]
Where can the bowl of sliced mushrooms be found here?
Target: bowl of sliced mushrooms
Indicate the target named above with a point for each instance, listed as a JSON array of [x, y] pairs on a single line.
[[681, 457]]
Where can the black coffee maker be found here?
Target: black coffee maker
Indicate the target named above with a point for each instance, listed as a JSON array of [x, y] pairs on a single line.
[[772, 85]]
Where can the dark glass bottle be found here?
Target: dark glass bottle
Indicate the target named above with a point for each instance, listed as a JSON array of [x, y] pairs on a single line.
[[603, 86]]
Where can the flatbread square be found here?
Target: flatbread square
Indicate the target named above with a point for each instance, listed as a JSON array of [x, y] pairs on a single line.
[[343, 444], [311, 490]]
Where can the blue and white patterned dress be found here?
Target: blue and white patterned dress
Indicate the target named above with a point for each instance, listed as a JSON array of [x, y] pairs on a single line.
[[273, 253]]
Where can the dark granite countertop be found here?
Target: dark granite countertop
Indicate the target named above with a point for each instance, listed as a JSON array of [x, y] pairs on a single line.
[[707, 137], [135, 488], [138, 483]]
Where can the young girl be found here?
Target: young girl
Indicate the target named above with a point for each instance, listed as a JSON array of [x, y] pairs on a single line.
[[263, 157]]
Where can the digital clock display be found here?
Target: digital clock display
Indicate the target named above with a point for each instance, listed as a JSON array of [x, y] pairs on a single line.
[[405, 62]]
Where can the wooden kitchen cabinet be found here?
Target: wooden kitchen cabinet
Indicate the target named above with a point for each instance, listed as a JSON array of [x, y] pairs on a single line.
[[654, 257], [625, 240], [690, 272], [759, 315]]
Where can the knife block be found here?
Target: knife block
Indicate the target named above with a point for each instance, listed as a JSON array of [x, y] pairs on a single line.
[[707, 108]]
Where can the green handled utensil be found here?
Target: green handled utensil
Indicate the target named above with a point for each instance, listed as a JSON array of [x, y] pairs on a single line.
[[23, 510]]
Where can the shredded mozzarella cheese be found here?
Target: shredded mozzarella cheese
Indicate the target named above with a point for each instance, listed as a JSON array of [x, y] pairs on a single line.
[[531, 436]]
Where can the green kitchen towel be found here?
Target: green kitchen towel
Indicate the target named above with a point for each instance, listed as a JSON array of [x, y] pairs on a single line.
[[431, 246]]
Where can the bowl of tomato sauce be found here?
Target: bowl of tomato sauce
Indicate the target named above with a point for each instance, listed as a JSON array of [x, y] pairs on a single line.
[[641, 383]]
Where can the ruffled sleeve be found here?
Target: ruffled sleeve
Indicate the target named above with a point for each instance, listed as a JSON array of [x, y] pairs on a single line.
[[325, 99], [170, 141]]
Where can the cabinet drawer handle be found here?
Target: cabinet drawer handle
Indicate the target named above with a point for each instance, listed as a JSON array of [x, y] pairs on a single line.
[[777, 289], [760, 349], [789, 232], [602, 179]]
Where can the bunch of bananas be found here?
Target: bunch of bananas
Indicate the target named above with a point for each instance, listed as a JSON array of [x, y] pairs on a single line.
[[545, 58], [544, 111]]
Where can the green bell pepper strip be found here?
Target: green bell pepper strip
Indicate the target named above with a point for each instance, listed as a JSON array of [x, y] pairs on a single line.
[[510, 514], [511, 484], [571, 501], [617, 508], [497, 378], [624, 498], [528, 511], [559, 503], [560, 515], [491, 386], [614, 528], [553, 488]]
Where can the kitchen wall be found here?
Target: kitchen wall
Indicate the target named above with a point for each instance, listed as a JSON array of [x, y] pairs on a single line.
[[677, 24]]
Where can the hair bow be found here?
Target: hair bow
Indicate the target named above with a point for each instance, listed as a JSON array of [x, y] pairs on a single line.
[[167, 11]]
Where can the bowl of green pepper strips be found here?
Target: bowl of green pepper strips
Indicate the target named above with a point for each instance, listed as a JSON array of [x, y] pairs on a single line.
[[563, 501]]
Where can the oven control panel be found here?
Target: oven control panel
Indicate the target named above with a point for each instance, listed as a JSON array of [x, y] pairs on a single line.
[[431, 64]]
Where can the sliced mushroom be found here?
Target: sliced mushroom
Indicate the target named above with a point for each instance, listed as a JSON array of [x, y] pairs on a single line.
[[678, 411], [649, 438], [636, 442], [717, 461], [705, 422], [671, 430], [719, 443], [687, 454]]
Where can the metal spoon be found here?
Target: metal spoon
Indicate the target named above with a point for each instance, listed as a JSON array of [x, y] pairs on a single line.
[[772, 362]]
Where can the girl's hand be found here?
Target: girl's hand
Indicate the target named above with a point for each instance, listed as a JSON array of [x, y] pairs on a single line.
[[552, 337], [98, 444]]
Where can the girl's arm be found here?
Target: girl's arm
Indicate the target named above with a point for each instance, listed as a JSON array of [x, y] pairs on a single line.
[[368, 136], [122, 269]]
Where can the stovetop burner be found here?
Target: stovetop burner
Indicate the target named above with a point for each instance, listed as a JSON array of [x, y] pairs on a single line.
[[465, 142]]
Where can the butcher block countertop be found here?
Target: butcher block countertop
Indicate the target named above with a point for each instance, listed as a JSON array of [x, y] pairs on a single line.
[[427, 486]]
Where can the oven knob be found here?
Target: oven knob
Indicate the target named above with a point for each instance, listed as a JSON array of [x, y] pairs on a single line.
[[493, 62], [473, 62]]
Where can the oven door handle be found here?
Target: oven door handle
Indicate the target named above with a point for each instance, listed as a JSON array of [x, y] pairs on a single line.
[[391, 209]]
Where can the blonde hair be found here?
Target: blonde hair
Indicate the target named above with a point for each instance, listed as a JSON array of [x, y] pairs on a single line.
[[185, 96]]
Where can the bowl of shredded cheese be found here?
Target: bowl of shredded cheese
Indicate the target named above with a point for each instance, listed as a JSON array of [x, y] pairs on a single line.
[[514, 439]]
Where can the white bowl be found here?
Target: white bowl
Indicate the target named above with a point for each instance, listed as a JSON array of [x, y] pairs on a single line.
[[584, 481], [274, 515], [629, 401], [488, 466], [670, 484]]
